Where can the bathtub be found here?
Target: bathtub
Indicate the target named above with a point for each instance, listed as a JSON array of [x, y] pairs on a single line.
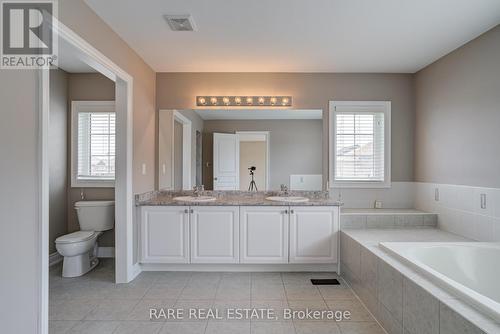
[[469, 269]]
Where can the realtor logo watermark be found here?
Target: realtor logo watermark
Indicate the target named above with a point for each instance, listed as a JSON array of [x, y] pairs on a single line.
[[28, 34]]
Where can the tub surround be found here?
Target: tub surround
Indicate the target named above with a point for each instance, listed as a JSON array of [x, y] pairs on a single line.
[[235, 198], [401, 298], [386, 218], [371, 212]]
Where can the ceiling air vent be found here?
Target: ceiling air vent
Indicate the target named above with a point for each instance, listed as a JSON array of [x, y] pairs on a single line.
[[180, 22]]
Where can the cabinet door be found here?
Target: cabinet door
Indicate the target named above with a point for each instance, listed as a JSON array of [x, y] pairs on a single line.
[[313, 234], [264, 234], [165, 234], [215, 234]]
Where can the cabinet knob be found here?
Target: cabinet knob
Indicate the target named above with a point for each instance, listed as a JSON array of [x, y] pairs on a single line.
[[292, 212], [285, 212], [191, 211], [186, 211]]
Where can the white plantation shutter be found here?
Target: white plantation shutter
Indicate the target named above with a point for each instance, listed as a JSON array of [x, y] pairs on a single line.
[[96, 145], [359, 149], [93, 143]]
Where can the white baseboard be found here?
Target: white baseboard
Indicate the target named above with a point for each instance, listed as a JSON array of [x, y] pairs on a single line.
[[54, 259], [238, 267], [136, 271], [106, 252]]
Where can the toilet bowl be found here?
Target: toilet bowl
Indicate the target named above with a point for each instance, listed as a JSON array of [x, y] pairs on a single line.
[[79, 249]]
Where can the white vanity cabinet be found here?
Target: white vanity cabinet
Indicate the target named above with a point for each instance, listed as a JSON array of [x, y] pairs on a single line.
[[314, 234], [239, 234], [164, 234], [264, 234], [215, 234]]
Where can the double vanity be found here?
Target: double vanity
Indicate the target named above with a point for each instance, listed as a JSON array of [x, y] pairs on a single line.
[[259, 229]]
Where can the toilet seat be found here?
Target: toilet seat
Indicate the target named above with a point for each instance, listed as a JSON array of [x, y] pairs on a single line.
[[74, 237]]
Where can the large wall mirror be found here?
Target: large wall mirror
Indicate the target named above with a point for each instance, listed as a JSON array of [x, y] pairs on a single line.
[[244, 149]]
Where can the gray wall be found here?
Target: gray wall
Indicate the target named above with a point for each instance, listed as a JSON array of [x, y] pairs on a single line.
[[20, 202], [178, 155], [309, 91], [458, 116], [88, 87], [295, 147], [58, 156], [164, 139], [197, 124]]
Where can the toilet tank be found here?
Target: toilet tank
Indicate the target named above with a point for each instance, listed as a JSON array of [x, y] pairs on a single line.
[[95, 215]]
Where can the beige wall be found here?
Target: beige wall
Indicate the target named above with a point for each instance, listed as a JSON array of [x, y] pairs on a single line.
[[458, 116], [253, 153], [58, 156], [87, 87], [295, 147], [82, 20], [309, 91]]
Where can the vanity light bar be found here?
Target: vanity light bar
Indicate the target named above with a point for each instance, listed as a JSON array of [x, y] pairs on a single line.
[[244, 101]]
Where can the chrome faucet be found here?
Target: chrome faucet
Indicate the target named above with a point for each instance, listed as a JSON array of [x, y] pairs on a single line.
[[198, 189], [284, 190]]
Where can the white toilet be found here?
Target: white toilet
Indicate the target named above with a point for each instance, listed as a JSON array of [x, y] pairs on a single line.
[[80, 248]]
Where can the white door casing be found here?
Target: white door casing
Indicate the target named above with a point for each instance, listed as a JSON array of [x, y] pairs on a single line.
[[165, 234], [226, 157], [215, 234], [313, 234], [264, 234]]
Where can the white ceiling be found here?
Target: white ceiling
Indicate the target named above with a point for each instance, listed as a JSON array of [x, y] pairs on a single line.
[[298, 35], [210, 114], [69, 59]]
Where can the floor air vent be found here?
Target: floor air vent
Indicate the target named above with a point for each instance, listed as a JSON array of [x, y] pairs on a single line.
[[325, 281]]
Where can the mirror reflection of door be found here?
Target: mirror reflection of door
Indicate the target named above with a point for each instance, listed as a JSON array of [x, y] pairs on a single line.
[[178, 155], [226, 161], [253, 160]]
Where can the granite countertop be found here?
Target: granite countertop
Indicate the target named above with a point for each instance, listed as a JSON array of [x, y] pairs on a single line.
[[234, 198]]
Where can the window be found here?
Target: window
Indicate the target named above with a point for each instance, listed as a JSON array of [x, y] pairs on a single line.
[[360, 144], [93, 143]]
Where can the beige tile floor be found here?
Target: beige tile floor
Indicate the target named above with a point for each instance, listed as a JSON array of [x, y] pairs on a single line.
[[94, 304]]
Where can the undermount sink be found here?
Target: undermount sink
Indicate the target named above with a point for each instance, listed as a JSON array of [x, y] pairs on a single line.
[[291, 199], [195, 199]]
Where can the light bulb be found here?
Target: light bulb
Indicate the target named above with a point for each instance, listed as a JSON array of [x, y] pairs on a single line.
[[237, 100], [202, 101], [273, 101], [213, 100], [261, 100], [249, 100], [284, 101], [225, 100]]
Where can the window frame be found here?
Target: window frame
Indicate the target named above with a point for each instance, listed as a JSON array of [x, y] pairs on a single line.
[[86, 106], [360, 107]]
